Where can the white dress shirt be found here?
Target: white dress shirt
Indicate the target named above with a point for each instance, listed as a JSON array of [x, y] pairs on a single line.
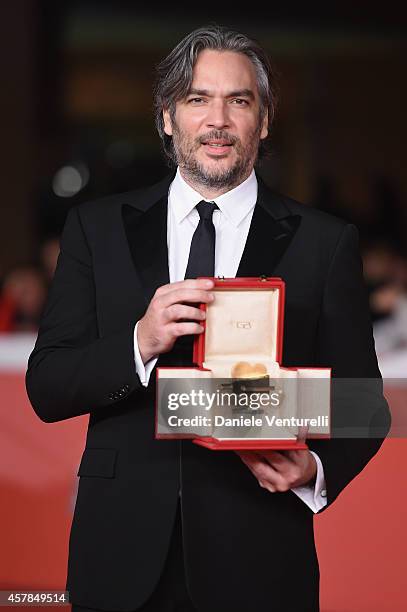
[[232, 223]]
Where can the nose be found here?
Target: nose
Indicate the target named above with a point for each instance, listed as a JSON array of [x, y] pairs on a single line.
[[218, 116]]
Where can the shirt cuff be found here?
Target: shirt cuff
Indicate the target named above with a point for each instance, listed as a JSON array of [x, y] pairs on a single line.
[[314, 495], [143, 370]]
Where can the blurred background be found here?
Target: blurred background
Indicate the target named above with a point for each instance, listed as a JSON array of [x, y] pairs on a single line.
[[77, 124], [76, 108]]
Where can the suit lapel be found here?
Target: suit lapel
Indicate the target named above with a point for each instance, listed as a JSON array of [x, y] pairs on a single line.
[[147, 237], [145, 225], [271, 231]]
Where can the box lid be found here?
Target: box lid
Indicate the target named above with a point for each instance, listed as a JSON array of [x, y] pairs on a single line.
[[243, 323]]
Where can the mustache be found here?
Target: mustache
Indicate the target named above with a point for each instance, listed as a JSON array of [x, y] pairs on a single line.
[[218, 135]]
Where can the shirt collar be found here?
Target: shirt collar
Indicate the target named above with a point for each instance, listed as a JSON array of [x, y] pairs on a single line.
[[234, 204]]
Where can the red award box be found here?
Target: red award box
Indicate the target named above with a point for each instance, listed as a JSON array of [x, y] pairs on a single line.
[[253, 402]]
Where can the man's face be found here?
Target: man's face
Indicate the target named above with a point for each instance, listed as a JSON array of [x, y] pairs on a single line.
[[217, 127]]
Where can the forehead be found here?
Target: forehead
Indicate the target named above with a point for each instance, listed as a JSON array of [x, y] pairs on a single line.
[[223, 71]]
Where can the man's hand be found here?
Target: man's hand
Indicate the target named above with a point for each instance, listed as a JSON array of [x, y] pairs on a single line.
[[281, 470], [168, 316]]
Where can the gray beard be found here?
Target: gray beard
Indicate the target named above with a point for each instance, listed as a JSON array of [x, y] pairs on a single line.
[[221, 179]]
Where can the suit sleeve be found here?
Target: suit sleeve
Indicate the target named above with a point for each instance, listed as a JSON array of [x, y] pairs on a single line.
[[72, 370], [360, 415]]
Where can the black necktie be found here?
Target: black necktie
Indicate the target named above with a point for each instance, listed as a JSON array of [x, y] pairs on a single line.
[[201, 260]]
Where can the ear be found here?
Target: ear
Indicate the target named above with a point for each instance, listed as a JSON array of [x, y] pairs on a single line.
[[167, 122], [264, 126]]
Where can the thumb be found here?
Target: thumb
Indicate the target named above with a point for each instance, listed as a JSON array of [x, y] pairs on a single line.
[[302, 433]]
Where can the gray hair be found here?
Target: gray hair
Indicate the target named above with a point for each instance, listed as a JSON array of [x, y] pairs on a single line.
[[174, 75]]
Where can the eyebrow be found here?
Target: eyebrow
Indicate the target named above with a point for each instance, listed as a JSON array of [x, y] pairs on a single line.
[[247, 93]]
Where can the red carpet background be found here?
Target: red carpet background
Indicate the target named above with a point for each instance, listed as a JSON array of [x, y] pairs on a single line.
[[361, 539]]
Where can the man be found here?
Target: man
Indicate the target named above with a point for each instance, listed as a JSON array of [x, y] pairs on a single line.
[[241, 525]]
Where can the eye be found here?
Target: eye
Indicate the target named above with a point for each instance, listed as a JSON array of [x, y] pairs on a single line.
[[239, 102], [195, 100]]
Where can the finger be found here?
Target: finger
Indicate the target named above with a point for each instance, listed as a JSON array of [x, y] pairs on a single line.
[[249, 457], [267, 477], [260, 468], [302, 433], [185, 329], [298, 457], [185, 295], [279, 461], [290, 456], [185, 284], [270, 479], [180, 311], [268, 486], [250, 463], [284, 471]]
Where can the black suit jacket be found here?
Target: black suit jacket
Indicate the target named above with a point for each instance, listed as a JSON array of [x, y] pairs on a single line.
[[245, 548]]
